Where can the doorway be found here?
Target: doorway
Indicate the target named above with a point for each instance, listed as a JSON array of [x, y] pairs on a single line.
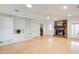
[[41, 29]]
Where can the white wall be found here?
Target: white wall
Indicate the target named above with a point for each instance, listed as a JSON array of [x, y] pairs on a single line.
[[47, 27], [27, 28], [18, 23], [6, 28], [35, 27]]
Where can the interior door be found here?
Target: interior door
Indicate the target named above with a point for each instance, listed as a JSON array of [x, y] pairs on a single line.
[[41, 29]]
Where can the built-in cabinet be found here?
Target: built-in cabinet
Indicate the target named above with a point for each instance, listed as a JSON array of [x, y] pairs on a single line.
[[60, 28]]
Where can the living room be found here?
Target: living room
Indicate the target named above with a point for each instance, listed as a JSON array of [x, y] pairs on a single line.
[[40, 23]]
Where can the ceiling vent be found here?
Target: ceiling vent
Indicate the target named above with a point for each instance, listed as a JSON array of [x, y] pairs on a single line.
[[77, 6], [1, 42], [16, 10]]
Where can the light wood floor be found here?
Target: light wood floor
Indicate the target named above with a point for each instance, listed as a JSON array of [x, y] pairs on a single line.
[[46, 44]]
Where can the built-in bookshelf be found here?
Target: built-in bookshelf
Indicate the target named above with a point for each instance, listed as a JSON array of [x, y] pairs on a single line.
[[60, 28]]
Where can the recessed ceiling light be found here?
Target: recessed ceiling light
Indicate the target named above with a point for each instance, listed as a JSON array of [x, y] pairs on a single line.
[[65, 7], [50, 29], [29, 5], [47, 17], [50, 25], [69, 15]]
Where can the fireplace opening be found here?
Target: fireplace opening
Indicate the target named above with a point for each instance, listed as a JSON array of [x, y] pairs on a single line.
[[60, 31]]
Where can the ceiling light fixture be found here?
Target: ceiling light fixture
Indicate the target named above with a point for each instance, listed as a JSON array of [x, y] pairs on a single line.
[[50, 25], [69, 15], [65, 7], [29, 5], [47, 17]]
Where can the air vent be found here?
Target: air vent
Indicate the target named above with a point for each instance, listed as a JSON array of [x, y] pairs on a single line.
[[1, 42], [77, 6], [16, 10]]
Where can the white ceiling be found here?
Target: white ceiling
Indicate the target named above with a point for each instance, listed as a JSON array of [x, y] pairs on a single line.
[[41, 11]]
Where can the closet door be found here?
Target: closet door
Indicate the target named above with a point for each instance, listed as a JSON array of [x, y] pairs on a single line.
[[27, 28]]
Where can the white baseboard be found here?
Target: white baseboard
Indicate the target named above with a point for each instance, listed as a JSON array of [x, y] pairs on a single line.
[[8, 42]]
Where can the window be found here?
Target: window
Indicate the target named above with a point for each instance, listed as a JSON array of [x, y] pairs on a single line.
[[75, 29]]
